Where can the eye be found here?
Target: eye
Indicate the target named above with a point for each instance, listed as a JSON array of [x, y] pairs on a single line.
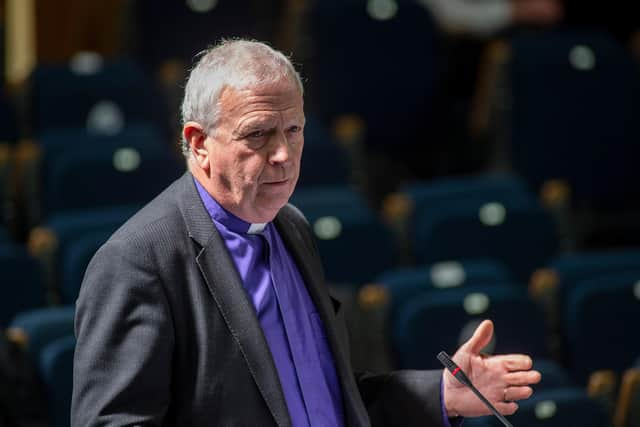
[[295, 129], [256, 134]]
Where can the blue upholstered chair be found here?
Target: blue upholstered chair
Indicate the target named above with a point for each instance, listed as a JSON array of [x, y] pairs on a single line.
[[75, 261], [40, 327], [444, 320], [484, 216], [557, 407], [324, 162], [354, 245], [68, 241], [347, 40], [202, 23], [91, 93], [56, 370], [130, 167], [22, 282], [600, 317], [403, 285], [573, 94], [567, 270]]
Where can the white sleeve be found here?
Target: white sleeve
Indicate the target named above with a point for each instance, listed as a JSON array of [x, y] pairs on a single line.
[[479, 18]]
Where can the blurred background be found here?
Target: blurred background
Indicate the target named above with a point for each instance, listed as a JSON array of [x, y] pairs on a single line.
[[464, 159]]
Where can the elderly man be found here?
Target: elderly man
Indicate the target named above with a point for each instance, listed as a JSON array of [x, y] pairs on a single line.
[[209, 306]]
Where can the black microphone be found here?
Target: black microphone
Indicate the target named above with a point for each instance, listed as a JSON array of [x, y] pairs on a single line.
[[455, 370]]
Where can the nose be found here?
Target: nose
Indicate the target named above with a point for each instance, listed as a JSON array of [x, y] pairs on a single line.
[[280, 153]]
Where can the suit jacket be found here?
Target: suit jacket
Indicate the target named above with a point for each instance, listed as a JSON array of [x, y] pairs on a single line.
[[167, 336]]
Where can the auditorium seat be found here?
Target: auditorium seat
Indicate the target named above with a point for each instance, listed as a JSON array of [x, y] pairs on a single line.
[[354, 244], [23, 282], [557, 407], [56, 370], [602, 386], [8, 138], [480, 187], [75, 261], [378, 303], [75, 169], [36, 329], [363, 56], [575, 98], [107, 175], [66, 242], [484, 216], [552, 284], [627, 411], [554, 375], [324, 162], [102, 96], [566, 270], [600, 315], [444, 320], [402, 208], [202, 23], [405, 284], [377, 64]]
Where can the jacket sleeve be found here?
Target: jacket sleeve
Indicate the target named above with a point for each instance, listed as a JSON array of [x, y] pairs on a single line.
[[403, 398], [122, 362]]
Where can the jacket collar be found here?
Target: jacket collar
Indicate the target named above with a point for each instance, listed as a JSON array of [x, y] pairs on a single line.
[[226, 288]]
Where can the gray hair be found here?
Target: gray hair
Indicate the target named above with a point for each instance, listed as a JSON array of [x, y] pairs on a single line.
[[237, 64]]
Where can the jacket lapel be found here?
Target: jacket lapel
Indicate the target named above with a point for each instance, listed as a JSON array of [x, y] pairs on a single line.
[[311, 270], [225, 285]]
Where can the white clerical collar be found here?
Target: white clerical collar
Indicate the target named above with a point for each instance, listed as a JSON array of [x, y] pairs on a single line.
[[257, 228]]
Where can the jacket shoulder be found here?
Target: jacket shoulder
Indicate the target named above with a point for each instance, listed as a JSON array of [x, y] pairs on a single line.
[[295, 215]]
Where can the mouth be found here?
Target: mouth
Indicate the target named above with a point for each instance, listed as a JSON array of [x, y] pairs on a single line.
[[275, 183]]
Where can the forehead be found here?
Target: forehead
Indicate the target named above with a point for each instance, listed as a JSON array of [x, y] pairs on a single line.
[[266, 99]]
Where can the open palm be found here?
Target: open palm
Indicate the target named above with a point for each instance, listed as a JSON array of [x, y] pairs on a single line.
[[501, 379]]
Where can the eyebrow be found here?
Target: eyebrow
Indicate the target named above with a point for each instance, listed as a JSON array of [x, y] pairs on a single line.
[[263, 123], [247, 128]]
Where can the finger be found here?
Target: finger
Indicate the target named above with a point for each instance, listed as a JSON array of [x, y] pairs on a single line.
[[522, 378], [481, 337], [517, 393], [513, 362], [506, 408]]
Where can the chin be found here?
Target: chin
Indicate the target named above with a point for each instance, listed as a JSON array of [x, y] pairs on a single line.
[[267, 212]]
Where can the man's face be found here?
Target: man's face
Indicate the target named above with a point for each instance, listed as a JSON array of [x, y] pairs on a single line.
[[254, 152]]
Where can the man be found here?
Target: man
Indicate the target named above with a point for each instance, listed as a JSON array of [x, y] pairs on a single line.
[[209, 307]]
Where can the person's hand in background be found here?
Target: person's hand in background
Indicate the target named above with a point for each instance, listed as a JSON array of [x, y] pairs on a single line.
[[536, 12]]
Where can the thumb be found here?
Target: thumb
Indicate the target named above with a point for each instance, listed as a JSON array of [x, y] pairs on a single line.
[[481, 337]]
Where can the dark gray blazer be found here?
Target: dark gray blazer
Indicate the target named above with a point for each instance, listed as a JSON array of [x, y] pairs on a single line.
[[167, 336]]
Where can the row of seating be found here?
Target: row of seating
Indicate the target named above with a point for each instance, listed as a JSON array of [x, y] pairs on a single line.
[[425, 314], [455, 219], [46, 335], [108, 137], [413, 313], [447, 219], [551, 105]]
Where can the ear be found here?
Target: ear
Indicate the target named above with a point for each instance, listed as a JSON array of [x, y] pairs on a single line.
[[195, 136]]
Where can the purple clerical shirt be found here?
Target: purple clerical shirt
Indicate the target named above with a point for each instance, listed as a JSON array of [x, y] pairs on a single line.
[[289, 320]]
